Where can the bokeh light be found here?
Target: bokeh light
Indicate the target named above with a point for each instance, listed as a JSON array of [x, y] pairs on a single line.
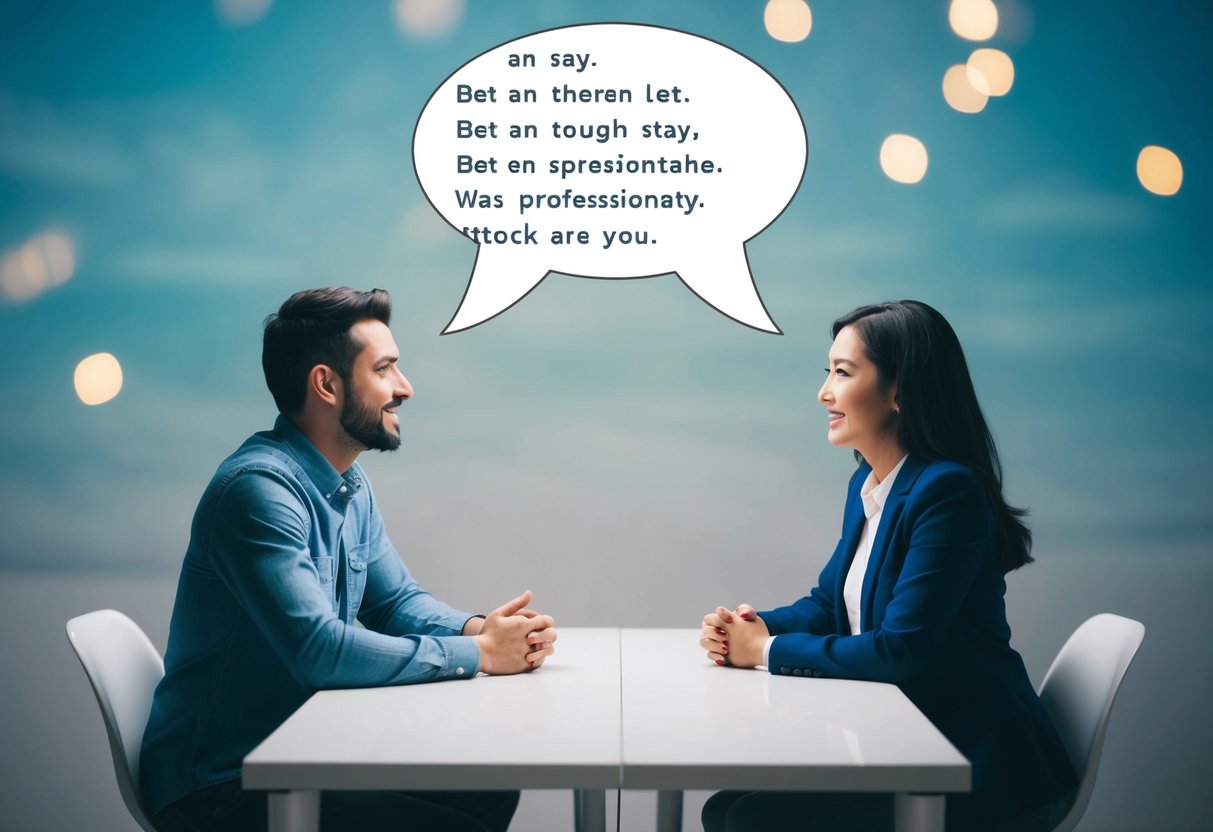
[[903, 159], [428, 18], [960, 92], [1159, 170], [973, 19], [788, 20], [242, 12], [45, 261], [991, 71], [98, 378]]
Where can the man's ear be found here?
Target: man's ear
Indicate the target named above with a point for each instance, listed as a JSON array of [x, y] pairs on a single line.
[[324, 383]]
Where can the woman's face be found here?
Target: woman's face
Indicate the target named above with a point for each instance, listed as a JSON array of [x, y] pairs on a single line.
[[861, 414]]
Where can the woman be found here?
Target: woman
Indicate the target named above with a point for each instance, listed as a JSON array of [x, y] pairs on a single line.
[[913, 594]]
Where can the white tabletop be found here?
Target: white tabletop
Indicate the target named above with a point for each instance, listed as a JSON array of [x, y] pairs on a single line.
[[689, 724], [556, 728]]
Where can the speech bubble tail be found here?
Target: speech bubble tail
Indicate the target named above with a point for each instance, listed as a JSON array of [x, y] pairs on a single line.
[[493, 288], [724, 282]]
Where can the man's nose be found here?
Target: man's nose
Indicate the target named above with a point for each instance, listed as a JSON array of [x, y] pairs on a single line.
[[404, 390]]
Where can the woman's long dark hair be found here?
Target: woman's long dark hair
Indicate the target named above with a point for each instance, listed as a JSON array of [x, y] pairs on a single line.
[[914, 346]]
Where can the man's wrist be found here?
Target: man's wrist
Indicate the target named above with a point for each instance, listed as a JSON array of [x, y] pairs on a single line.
[[473, 625]]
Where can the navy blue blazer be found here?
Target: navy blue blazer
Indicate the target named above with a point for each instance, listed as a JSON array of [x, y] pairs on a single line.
[[933, 622]]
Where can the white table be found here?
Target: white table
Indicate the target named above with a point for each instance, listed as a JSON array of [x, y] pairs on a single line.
[[689, 724], [637, 709], [557, 728]]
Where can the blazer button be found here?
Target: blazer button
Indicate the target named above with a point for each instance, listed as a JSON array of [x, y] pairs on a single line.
[[785, 670]]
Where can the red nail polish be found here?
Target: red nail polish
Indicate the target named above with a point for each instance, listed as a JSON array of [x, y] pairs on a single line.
[[721, 632], [720, 661]]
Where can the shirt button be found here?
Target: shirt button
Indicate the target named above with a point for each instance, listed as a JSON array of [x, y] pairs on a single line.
[[459, 671], [328, 496], [342, 489]]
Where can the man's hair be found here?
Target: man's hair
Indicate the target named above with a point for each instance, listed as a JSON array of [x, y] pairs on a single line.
[[313, 327]]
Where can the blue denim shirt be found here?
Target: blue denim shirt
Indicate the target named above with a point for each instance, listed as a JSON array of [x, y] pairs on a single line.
[[284, 554]]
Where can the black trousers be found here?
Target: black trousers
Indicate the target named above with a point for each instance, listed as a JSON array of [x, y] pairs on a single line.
[[226, 807], [840, 812]]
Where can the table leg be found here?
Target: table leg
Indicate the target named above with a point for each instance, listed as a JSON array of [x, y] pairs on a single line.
[[297, 811], [669, 811], [589, 810], [918, 812]]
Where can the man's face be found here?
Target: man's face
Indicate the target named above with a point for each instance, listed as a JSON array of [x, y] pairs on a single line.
[[374, 390]]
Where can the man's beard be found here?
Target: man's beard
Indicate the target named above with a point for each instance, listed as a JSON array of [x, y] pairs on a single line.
[[364, 425]]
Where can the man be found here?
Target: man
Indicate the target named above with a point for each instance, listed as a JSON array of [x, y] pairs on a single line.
[[287, 550]]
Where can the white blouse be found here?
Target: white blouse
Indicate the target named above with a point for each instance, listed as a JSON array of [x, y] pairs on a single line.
[[874, 495]]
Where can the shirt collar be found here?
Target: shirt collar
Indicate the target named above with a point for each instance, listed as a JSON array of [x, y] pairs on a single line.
[[875, 493], [337, 488]]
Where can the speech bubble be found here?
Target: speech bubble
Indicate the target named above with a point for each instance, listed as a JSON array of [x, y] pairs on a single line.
[[610, 150]]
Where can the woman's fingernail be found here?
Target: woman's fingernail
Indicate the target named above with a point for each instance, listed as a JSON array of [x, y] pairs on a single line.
[[720, 661], [722, 632]]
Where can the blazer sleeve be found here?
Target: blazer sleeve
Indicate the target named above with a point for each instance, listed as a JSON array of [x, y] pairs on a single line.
[[948, 536]]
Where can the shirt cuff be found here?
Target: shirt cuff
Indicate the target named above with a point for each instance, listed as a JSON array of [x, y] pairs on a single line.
[[461, 656], [766, 651]]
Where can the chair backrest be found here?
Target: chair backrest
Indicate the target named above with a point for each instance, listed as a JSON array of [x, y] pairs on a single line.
[[1078, 692], [123, 667]]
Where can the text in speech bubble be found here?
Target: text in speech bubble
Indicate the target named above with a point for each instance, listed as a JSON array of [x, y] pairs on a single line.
[[610, 150]]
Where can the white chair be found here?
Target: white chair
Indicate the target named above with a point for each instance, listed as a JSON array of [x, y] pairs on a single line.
[[123, 667], [1078, 692]]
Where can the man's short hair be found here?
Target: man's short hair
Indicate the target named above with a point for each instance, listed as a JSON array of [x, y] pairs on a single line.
[[313, 327]]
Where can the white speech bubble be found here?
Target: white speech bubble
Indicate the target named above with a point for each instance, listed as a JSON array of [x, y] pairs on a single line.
[[654, 151]]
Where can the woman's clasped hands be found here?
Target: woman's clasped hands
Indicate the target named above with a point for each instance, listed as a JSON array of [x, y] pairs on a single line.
[[734, 637]]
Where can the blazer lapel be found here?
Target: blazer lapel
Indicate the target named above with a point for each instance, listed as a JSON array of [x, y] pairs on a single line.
[[889, 516], [852, 527]]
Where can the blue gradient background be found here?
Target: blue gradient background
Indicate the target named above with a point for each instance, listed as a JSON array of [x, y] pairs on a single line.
[[620, 448]]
